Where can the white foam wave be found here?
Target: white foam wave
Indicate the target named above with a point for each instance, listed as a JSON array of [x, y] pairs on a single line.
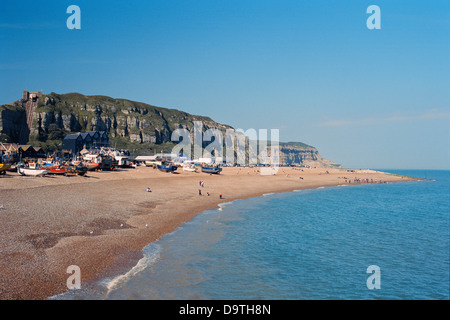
[[268, 194], [224, 204], [151, 255]]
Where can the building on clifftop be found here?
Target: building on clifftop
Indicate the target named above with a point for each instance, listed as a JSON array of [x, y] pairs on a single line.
[[27, 95]]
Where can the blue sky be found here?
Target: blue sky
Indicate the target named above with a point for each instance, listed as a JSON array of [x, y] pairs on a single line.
[[365, 98]]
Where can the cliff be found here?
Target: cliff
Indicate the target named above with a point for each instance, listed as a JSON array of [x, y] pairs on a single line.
[[44, 118], [297, 153], [136, 121], [74, 112]]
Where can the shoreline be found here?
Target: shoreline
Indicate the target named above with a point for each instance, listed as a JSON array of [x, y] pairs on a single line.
[[103, 222]]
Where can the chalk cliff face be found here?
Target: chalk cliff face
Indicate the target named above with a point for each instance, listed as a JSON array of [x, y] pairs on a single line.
[[134, 121], [297, 153]]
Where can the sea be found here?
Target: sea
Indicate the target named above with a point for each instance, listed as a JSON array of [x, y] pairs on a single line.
[[355, 242]]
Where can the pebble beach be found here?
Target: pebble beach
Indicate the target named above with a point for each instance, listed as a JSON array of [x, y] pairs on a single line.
[[101, 222]]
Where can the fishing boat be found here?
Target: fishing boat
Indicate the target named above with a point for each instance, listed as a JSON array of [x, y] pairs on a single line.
[[190, 168], [77, 170], [107, 163], [57, 170], [92, 166], [167, 167], [32, 170], [92, 161], [54, 166], [211, 169], [4, 167], [50, 162]]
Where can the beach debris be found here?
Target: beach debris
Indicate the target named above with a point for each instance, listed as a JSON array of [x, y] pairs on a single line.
[[121, 225], [146, 225], [2, 207], [92, 232]]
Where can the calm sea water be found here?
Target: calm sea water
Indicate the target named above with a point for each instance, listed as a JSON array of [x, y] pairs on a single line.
[[309, 244]]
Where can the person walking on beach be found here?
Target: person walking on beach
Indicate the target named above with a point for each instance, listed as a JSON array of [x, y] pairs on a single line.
[[199, 192], [220, 196]]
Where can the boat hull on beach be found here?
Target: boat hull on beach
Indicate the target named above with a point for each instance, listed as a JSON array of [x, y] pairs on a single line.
[[211, 170], [190, 168], [32, 172], [92, 166], [77, 170], [3, 168], [167, 168], [61, 171]]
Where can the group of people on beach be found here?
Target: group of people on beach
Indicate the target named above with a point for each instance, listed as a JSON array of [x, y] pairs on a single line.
[[358, 180], [202, 184]]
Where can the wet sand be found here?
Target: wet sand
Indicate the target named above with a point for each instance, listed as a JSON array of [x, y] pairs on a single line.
[[102, 222]]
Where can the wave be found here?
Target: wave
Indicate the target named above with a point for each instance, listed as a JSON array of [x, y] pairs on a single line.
[[268, 194], [151, 256], [223, 205]]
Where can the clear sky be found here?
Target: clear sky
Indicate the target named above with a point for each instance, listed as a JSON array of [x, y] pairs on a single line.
[[365, 98]]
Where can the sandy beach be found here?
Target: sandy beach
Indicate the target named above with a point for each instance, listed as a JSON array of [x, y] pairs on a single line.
[[102, 222]]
